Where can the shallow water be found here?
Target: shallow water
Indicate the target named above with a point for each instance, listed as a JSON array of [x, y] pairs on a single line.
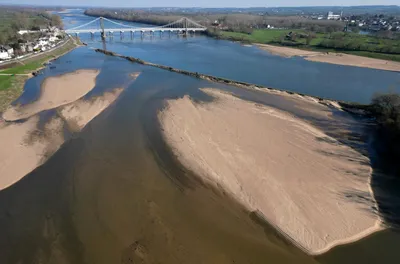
[[115, 194]]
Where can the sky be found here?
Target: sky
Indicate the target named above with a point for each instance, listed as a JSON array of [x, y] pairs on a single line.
[[202, 3]]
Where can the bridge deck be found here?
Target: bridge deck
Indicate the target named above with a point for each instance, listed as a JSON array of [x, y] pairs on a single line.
[[149, 29], [182, 24]]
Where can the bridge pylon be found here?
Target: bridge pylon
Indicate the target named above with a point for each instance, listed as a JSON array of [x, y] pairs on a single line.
[[103, 34]]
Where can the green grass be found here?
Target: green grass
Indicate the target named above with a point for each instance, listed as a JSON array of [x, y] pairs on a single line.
[[274, 36], [5, 82], [11, 88], [27, 68], [383, 56]]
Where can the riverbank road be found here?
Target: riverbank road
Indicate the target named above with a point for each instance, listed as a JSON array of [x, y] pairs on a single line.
[[28, 57]]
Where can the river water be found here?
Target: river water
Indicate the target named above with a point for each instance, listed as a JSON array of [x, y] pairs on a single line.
[[115, 194]]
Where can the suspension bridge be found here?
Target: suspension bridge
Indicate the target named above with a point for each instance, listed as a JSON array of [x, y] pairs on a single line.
[[181, 26]]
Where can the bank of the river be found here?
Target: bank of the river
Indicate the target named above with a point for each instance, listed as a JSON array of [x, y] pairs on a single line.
[[14, 76], [333, 57]]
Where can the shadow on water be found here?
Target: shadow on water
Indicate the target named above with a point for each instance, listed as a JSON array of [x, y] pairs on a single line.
[[380, 247], [356, 132]]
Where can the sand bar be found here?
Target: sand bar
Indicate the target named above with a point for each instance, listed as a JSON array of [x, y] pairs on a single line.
[[333, 57], [81, 112], [295, 175], [25, 146], [56, 91]]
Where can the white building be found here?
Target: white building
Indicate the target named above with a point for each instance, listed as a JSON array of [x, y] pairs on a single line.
[[332, 16], [43, 41], [10, 50], [6, 52], [23, 31], [26, 47], [3, 54], [53, 39]]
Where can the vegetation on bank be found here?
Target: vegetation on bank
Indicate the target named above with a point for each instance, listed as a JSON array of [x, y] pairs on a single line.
[[347, 42], [386, 110], [13, 19], [11, 86], [239, 22]]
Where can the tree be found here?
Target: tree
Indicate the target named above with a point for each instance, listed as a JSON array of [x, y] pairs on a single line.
[[309, 38], [355, 29], [56, 21], [386, 110]]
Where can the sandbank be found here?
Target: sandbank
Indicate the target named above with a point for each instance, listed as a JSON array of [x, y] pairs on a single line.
[[25, 146], [333, 58], [297, 177], [56, 91], [81, 112]]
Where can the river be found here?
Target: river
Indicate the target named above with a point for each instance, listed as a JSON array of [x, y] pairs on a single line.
[[114, 193]]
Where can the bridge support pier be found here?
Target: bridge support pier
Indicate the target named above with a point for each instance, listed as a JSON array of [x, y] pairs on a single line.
[[103, 34]]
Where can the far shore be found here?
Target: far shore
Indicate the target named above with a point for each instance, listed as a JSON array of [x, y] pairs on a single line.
[[298, 178], [26, 145], [333, 58]]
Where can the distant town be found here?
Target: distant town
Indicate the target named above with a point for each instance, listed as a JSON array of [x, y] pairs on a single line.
[[367, 22]]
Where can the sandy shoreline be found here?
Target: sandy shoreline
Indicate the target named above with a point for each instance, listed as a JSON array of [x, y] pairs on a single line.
[[295, 175], [333, 58], [26, 146]]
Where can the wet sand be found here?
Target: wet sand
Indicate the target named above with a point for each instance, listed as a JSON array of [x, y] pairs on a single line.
[[56, 91], [296, 176], [26, 145], [333, 58], [23, 147], [81, 112]]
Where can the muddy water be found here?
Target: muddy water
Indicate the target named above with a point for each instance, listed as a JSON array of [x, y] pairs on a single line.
[[114, 194]]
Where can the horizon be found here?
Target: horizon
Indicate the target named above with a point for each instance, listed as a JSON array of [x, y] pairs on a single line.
[[40, 3]]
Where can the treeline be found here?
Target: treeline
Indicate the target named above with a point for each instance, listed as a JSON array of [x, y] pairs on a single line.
[[13, 20], [237, 22], [386, 110], [355, 42]]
